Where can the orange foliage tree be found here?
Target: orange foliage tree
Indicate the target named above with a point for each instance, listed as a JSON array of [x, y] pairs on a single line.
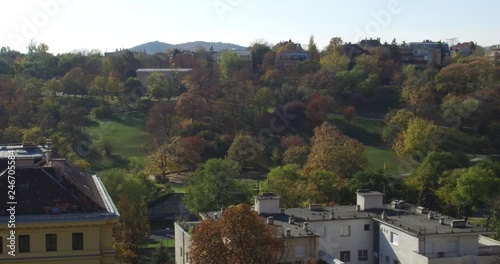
[[240, 236], [333, 151]]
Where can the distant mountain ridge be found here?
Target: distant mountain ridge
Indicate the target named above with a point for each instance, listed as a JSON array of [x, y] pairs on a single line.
[[158, 46]]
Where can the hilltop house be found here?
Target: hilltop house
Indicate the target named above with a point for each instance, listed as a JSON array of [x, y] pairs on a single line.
[[493, 53], [370, 232], [62, 213], [425, 54]]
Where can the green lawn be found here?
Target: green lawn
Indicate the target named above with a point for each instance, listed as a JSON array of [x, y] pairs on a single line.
[[380, 158], [156, 243], [127, 131], [366, 131]]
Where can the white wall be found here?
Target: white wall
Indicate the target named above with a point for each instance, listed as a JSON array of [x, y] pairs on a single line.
[[370, 201], [332, 243], [467, 244], [182, 243], [267, 205], [402, 251]]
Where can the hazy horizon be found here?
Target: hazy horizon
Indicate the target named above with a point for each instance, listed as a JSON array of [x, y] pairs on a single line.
[[67, 25]]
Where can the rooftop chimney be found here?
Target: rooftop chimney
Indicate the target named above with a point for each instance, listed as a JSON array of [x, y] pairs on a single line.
[[430, 215], [383, 216]]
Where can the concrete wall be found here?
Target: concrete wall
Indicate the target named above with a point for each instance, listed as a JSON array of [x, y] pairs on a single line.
[[331, 243], [370, 201], [182, 243], [267, 205], [406, 244]]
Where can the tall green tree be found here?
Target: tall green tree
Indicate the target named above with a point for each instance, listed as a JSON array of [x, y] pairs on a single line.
[[214, 185], [160, 87]]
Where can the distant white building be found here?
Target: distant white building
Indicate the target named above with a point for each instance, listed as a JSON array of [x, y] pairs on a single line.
[[374, 232]]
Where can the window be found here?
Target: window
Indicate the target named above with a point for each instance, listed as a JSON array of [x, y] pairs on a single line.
[[387, 260], [181, 251], [396, 261], [345, 230], [345, 256], [300, 251], [394, 239], [367, 227], [24, 243], [452, 247], [77, 241], [362, 255], [50, 242]]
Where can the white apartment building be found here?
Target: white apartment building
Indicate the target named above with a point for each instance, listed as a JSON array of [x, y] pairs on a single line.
[[373, 232]]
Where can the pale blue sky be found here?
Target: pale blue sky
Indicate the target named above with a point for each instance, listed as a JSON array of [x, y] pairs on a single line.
[[107, 25]]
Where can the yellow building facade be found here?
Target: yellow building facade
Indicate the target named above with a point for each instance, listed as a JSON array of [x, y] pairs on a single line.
[[62, 214]]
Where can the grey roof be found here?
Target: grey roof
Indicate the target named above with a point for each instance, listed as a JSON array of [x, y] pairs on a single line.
[[406, 219]]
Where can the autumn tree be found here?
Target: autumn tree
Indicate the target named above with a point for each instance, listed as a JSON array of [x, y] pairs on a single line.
[[395, 123], [349, 113], [246, 151], [417, 140], [162, 161], [214, 185], [317, 108], [191, 105], [74, 82], [333, 151], [161, 121], [227, 240], [296, 155]]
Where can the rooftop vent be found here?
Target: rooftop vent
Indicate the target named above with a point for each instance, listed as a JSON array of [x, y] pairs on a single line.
[[291, 220], [332, 214], [383, 216], [421, 210], [270, 220], [288, 232], [305, 225], [430, 216], [315, 207], [215, 216]]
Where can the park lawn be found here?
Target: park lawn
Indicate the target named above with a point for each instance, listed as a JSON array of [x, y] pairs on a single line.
[[366, 131], [127, 130], [378, 157], [169, 242]]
